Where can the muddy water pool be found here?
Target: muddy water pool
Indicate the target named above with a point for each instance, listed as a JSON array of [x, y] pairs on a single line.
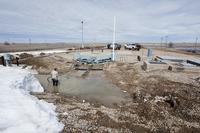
[[93, 90]]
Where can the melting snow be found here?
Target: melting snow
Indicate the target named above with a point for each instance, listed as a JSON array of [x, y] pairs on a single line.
[[21, 112]]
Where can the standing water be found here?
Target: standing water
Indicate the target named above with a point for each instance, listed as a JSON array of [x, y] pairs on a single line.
[[93, 90]]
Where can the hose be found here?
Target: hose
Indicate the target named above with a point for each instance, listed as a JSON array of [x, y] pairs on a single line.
[[49, 81]]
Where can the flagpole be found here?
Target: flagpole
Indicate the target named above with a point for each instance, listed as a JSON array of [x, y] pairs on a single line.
[[113, 50], [82, 35]]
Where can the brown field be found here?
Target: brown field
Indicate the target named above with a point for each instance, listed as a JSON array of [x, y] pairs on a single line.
[[17, 47], [40, 46]]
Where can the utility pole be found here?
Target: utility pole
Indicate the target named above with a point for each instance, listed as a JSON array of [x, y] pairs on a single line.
[[82, 35], [161, 41], [113, 50], [196, 42], [29, 41], [161, 44], [166, 40]]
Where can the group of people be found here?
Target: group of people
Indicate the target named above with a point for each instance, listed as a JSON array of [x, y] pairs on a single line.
[[7, 59]]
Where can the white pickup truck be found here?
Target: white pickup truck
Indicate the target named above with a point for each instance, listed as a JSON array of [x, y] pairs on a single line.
[[132, 46]]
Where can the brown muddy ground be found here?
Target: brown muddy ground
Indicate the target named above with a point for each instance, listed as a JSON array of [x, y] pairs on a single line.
[[45, 64], [155, 114], [16, 47], [33, 46], [162, 100], [158, 105]]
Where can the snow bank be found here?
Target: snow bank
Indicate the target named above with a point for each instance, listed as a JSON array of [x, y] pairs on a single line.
[[36, 52], [19, 111]]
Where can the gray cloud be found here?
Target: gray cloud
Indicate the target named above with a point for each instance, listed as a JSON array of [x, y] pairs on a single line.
[[137, 20]]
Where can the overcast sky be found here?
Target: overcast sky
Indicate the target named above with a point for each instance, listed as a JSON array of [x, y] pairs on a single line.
[[137, 20]]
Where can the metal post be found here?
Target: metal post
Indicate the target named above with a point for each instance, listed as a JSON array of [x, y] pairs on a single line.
[[113, 50], [82, 34]]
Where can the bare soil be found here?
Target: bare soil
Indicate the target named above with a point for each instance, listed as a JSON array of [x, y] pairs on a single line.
[[17, 47], [45, 64], [162, 100]]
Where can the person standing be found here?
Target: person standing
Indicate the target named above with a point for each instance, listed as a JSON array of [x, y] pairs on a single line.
[[54, 77], [17, 61], [2, 60]]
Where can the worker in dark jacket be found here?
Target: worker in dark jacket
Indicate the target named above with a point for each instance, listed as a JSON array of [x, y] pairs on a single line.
[[2, 60], [17, 61]]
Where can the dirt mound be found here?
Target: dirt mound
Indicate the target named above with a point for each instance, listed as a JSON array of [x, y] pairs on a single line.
[[25, 55], [45, 64], [162, 104]]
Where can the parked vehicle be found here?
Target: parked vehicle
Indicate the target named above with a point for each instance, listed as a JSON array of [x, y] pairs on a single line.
[[129, 46], [133, 46], [116, 46], [138, 47]]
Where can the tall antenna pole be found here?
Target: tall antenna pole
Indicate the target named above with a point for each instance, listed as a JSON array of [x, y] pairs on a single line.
[[82, 34], [113, 50]]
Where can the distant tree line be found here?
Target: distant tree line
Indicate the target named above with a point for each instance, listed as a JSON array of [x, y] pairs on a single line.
[[6, 43], [170, 45]]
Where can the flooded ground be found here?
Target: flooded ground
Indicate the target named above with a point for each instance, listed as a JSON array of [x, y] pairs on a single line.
[[91, 89], [162, 100], [157, 104]]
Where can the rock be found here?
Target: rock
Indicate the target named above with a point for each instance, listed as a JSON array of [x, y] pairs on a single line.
[[170, 68], [65, 113]]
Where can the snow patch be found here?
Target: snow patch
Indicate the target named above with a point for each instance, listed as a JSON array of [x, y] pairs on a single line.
[[21, 112]]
